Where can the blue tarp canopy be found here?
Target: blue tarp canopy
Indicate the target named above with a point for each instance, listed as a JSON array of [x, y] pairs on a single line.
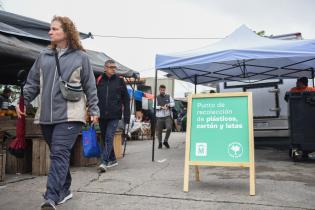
[[136, 94], [242, 56]]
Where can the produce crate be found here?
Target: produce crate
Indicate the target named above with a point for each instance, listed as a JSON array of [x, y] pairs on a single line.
[[2, 164], [117, 144], [7, 122], [19, 165], [2, 146], [32, 129], [77, 158], [40, 157]]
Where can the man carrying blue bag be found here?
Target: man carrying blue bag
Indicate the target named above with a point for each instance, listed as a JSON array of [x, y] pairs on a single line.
[[113, 101]]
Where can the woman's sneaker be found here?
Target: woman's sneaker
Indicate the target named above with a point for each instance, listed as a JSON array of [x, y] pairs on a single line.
[[48, 205], [102, 167], [68, 196]]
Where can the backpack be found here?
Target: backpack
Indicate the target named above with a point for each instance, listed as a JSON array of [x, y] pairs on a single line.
[[100, 77]]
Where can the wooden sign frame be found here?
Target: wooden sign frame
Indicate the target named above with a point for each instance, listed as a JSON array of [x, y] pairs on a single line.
[[250, 164]]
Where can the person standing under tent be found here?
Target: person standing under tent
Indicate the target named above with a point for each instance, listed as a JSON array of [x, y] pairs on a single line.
[[302, 86], [164, 116]]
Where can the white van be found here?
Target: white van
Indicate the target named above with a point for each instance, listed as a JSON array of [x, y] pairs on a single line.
[[269, 107]]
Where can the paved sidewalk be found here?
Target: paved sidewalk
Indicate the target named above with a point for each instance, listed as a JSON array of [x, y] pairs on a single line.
[[139, 183]]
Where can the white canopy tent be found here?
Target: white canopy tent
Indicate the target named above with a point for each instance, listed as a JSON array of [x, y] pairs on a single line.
[[242, 56]]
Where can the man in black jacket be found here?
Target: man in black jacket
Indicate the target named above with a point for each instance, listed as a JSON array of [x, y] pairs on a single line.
[[113, 100]]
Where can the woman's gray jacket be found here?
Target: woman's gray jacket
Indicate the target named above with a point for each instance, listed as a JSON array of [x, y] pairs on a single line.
[[43, 80]]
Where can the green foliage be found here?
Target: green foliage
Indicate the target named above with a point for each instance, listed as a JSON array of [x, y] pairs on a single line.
[[261, 33]]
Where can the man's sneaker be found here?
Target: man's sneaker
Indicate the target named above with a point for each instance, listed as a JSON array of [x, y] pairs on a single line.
[[112, 164], [48, 205], [44, 196], [160, 146], [129, 134], [166, 144], [68, 196], [102, 167]]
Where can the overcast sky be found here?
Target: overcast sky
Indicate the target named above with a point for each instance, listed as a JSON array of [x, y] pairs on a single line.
[[168, 18]]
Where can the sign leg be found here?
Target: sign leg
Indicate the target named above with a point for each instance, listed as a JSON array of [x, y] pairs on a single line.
[[252, 181], [197, 174], [186, 177]]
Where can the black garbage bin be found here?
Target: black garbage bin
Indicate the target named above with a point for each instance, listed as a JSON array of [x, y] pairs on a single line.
[[301, 108]]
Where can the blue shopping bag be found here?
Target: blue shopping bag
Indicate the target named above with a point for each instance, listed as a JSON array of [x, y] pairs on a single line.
[[91, 148]]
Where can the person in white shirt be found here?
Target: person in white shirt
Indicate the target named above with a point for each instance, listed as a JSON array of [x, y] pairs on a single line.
[[164, 116]]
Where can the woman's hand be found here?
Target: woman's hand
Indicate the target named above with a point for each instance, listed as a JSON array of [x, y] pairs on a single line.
[[94, 119], [19, 112]]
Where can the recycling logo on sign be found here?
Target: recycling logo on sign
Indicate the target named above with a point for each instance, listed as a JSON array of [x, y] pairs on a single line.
[[201, 149], [235, 150]]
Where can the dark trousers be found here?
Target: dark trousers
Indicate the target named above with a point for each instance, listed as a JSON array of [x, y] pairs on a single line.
[[60, 139], [161, 123], [108, 129]]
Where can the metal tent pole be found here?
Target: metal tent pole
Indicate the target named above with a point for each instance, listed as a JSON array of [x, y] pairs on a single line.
[[154, 115], [313, 76], [195, 83], [131, 106]]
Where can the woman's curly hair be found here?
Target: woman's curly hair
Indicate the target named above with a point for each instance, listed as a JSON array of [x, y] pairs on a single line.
[[71, 31]]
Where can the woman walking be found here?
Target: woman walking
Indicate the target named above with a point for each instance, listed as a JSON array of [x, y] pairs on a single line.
[[61, 111]]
